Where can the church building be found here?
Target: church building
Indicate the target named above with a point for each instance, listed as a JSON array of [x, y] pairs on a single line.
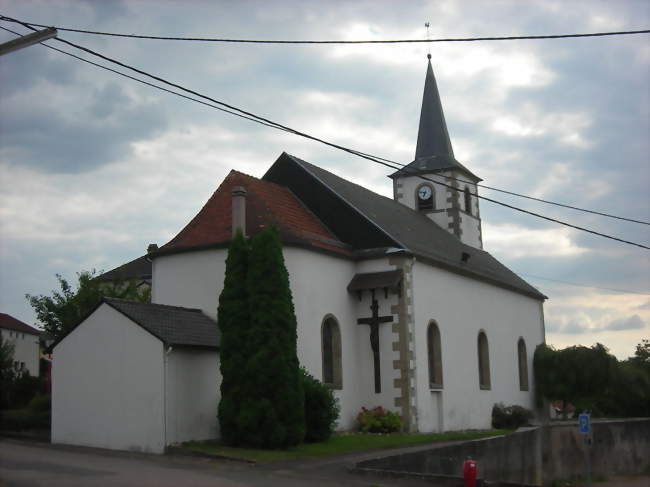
[[396, 301]]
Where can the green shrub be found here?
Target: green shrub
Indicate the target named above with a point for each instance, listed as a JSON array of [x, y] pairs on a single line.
[[510, 417], [23, 419], [321, 409], [21, 390], [40, 403], [379, 420]]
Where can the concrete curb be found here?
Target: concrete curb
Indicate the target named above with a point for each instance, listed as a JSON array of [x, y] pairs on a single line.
[[184, 452]]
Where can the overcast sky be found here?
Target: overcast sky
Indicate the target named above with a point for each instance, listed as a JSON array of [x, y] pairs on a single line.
[[94, 167]]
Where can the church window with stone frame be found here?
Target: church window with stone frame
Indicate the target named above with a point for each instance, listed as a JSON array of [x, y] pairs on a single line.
[[483, 361], [468, 200], [523, 365], [331, 343], [435, 356], [425, 197]]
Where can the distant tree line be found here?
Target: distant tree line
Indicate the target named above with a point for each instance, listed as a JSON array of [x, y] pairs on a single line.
[[592, 379]]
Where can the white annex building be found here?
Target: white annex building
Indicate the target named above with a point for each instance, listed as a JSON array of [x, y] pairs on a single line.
[[396, 301]]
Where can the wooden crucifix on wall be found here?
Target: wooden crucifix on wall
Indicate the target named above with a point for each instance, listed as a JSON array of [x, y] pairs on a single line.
[[374, 321]]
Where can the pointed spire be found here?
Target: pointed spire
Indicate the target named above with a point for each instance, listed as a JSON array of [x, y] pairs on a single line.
[[433, 138]]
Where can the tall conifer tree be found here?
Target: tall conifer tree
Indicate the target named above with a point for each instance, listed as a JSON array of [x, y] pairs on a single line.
[[233, 319], [273, 414]]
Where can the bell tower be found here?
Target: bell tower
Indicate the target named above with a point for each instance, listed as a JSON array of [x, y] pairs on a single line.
[[435, 183]]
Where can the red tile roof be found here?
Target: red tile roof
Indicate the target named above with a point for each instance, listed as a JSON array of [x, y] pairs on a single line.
[[266, 204], [10, 323]]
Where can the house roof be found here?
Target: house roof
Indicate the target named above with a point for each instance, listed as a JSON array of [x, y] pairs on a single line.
[[173, 325], [8, 322], [392, 224], [139, 268], [266, 204]]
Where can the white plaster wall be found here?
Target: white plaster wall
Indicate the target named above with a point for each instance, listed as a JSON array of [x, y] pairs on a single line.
[[318, 284], [26, 349], [461, 307], [470, 234], [192, 394], [191, 279], [107, 385]]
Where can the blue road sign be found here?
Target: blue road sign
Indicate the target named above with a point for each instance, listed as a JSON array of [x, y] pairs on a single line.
[[585, 426]]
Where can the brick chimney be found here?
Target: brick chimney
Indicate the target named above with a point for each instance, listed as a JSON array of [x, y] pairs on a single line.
[[238, 210]]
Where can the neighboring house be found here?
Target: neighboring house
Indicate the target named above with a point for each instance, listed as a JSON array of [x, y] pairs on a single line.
[[396, 302], [25, 341], [137, 271]]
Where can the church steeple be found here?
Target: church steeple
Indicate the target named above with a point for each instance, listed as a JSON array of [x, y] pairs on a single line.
[[433, 138], [435, 183]]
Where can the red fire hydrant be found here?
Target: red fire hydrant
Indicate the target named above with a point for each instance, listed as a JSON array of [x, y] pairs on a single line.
[[469, 473]]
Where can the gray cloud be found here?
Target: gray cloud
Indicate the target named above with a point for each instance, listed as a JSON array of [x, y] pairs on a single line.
[[569, 328], [61, 117], [75, 135], [645, 305], [633, 322]]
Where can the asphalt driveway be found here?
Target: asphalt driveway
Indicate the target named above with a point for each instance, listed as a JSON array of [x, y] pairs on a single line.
[[33, 464]]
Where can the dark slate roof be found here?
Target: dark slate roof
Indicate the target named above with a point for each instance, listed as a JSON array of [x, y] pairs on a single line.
[[375, 280], [433, 137], [8, 322], [432, 164], [173, 325], [393, 224], [433, 151], [139, 268]]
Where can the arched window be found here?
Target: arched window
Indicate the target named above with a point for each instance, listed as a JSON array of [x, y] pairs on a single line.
[[425, 197], [468, 201], [331, 338], [435, 356], [523, 365], [483, 361]]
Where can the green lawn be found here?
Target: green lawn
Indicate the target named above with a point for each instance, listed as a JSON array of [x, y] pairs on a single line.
[[343, 443]]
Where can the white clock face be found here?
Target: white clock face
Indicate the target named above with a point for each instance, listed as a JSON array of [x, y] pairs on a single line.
[[424, 192]]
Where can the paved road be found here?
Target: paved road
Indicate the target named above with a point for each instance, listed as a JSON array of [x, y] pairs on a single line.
[[30, 464]]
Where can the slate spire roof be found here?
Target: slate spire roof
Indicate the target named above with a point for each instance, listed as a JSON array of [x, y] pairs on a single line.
[[433, 151], [433, 137]]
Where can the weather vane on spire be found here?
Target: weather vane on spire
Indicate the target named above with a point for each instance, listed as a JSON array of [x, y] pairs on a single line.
[[426, 24]]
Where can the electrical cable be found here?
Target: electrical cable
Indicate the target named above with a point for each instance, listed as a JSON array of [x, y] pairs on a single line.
[[391, 41], [267, 122], [624, 291], [270, 123]]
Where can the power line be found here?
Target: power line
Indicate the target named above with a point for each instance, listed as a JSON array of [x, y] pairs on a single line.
[[512, 193], [389, 41], [256, 118], [152, 85], [583, 285]]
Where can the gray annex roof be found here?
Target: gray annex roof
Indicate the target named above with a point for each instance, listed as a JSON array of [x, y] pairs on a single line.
[[139, 268], [417, 234], [173, 325]]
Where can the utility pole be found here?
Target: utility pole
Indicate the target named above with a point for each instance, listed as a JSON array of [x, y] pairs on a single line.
[[28, 40]]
